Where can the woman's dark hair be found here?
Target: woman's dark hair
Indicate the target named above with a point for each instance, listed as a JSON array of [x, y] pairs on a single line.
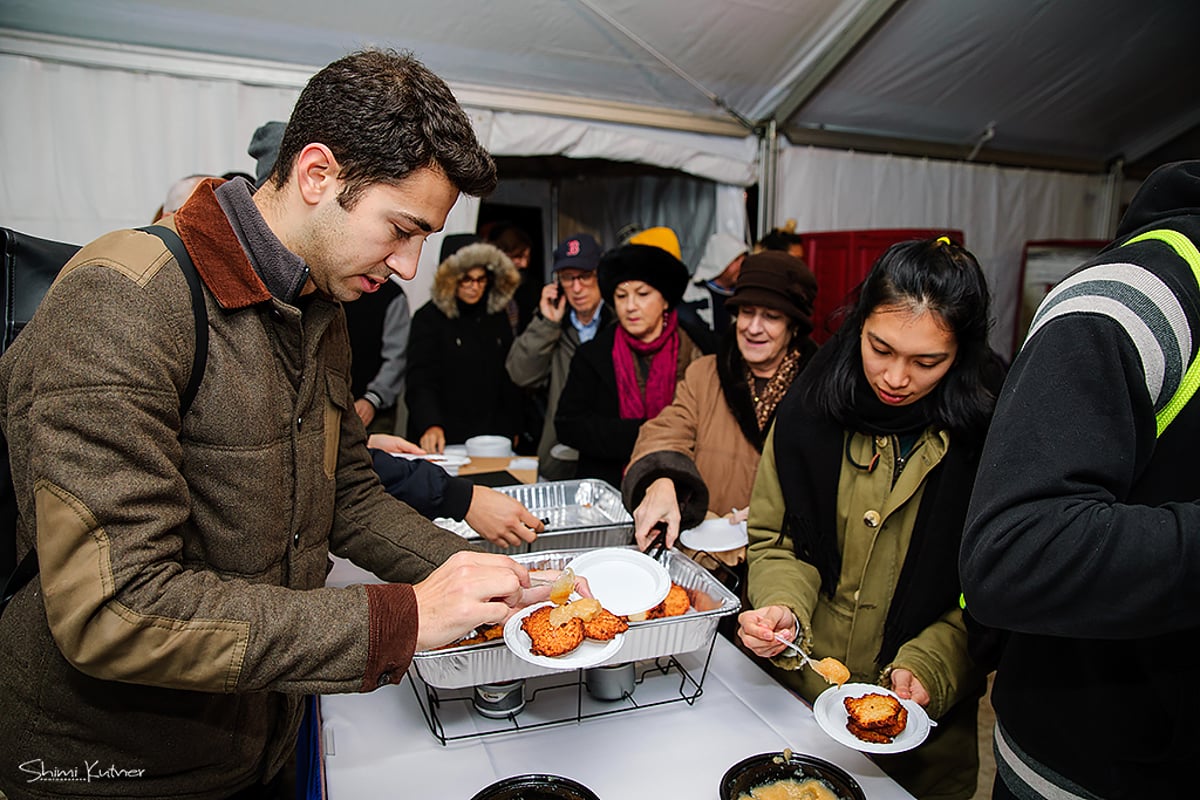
[[384, 115], [510, 239], [933, 275]]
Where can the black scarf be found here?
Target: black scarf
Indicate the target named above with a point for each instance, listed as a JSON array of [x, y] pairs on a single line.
[[809, 449]]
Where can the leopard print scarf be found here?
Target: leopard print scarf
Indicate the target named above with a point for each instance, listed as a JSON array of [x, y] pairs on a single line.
[[777, 386]]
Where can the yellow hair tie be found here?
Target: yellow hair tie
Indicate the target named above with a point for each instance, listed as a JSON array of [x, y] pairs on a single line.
[[943, 240]]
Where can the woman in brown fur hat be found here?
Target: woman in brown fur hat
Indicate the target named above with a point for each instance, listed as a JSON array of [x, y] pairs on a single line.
[[700, 454]]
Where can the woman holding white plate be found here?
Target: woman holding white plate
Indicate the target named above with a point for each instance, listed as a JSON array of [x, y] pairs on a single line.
[[857, 512], [700, 453]]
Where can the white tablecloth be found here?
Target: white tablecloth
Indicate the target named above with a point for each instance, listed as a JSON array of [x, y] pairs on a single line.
[[378, 745]]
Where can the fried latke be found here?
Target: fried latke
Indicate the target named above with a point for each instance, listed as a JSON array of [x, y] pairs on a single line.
[[604, 626], [879, 714], [548, 639], [867, 735], [479, 636], [676, 602]]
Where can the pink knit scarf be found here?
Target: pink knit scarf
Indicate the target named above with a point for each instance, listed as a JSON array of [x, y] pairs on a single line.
[[660, 382]]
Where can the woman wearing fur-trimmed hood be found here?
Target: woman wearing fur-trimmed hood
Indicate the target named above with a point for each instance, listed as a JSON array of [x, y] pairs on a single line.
[[457, 384], [503, 278]]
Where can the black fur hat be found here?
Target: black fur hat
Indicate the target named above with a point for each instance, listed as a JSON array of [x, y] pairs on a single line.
[[643, 262]]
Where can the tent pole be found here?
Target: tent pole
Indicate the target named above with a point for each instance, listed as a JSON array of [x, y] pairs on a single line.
[[768, 148], [554, 237]]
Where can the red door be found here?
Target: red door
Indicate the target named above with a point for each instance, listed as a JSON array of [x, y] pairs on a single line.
[[841, 259]]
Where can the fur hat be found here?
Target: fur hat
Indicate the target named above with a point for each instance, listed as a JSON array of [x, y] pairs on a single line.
[[503, 278], [773, 279], [643, 262]]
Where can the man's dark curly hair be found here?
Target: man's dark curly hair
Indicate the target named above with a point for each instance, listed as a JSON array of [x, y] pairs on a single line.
[[384, 115]]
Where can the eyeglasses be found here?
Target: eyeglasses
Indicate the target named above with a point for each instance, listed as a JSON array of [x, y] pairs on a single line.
[[582, 278], [465, 279]]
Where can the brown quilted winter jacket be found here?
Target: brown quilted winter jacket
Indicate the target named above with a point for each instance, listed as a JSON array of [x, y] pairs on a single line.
[[180, 614]]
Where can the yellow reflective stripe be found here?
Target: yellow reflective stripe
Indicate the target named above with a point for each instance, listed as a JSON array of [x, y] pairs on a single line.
[[1191, 379]]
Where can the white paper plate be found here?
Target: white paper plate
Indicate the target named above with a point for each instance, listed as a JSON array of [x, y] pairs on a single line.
[[715, 536], [623, 580], [436, 458], [450, 463], [831, 716], [588, 654]]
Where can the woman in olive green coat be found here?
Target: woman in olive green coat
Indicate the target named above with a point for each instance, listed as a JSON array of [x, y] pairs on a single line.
[[858, 507]]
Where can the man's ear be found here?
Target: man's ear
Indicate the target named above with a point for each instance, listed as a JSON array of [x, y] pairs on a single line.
[[316, 173]]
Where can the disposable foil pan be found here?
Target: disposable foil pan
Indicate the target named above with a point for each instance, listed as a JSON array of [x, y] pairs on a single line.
[[585, 513], [493, 662]]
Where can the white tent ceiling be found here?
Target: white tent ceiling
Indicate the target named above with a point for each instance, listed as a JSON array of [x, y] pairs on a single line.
[[1069, 83]]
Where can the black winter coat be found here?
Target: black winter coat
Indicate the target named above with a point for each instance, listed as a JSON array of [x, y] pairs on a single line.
[[456, 375]]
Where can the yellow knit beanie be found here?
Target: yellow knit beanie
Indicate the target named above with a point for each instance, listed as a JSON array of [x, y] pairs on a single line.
[[662, 238]]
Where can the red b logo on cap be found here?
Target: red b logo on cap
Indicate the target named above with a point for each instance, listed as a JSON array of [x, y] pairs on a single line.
[[573, 247]]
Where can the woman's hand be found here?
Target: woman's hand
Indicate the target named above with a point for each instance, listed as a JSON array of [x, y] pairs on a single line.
[[909, 687], [757, 629], [659, 505], [433, 440], [393, 444]]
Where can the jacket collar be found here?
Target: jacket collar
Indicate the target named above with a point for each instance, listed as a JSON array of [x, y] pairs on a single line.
[[216, 251], [605, 313]]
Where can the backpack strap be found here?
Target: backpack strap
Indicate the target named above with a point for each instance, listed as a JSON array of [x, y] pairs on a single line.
[[29, 564], [1186, 250], [199, 311]]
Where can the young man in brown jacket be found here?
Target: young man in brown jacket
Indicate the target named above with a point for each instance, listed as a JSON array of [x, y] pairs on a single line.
[[180, 614]]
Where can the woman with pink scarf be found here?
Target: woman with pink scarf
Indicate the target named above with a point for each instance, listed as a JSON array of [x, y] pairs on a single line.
[[627, 373]]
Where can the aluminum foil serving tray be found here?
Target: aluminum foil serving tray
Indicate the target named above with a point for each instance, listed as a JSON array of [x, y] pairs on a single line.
[[585, 513], [492, 662]]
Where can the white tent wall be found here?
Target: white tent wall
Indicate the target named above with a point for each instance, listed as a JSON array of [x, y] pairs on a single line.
[[87, 149], [997, 209], [103, 132]]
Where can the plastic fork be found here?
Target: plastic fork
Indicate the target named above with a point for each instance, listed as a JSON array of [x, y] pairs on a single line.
[[791, 646]]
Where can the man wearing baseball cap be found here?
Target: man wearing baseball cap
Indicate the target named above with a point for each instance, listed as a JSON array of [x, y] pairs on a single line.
[[570, 312]]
